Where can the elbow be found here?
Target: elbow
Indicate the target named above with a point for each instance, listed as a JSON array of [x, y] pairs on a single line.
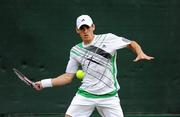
[[132, 44], [69, 78], [69, 81]]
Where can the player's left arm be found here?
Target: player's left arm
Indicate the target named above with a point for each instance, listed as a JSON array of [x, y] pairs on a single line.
[[139, 52]]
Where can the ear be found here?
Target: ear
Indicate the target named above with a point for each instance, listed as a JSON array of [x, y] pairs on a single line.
[[93, 26], [77, 30]]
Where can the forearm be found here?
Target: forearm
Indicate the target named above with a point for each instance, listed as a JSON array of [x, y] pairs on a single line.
[[62, 79], [139, 52]]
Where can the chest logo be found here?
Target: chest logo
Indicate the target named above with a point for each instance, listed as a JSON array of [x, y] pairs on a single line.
[[104, 46]]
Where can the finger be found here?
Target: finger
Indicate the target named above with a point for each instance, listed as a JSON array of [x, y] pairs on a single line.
[[135, 60], [150, 58], [37, 86]]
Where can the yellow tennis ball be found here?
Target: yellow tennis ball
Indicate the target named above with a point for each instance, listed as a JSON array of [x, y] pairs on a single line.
[[80, 74]]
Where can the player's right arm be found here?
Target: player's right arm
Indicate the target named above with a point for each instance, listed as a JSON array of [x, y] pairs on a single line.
[[63, 79]]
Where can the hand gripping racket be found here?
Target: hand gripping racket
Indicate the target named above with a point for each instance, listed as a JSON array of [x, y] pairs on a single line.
[[24, 78]]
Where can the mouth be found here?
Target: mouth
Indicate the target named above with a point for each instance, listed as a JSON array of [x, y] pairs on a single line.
[[86, 35]]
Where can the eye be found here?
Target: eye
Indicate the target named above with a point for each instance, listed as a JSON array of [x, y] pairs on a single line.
[[84, 27]]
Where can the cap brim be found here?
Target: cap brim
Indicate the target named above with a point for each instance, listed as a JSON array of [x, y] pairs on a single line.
[[84, 23]]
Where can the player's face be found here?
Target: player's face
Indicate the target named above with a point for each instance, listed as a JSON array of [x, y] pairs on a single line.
[[86, 33]]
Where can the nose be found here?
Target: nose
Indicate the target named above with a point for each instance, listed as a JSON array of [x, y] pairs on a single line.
[[85, 30]]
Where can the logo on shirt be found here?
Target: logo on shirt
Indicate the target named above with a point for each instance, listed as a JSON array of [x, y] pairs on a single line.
[[104, 46]]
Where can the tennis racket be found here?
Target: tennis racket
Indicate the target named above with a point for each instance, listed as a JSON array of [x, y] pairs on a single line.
[[24, 78]]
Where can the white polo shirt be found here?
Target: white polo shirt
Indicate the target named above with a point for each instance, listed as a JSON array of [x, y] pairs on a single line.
[[98, 61]]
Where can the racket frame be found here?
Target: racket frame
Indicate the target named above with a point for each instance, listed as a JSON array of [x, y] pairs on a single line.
[[24, 78]]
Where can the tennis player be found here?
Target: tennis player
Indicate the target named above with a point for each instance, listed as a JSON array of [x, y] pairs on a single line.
[[96, 55]]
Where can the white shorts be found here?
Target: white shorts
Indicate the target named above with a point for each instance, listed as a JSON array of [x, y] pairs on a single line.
[[83, 107]]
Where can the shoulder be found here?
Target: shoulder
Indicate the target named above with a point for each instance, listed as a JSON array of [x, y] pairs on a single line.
[[105, 36], [112, 35], [77, 48], [79, 45], [108, 35]]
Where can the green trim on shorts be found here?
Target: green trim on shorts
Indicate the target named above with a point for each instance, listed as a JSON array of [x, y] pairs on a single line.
[[90, 95]]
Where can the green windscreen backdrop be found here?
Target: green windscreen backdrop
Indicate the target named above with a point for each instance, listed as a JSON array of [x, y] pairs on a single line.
[[37, 35]]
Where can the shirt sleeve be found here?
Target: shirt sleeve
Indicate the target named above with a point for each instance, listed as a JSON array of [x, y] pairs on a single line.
[[119, 42], [72, 66]]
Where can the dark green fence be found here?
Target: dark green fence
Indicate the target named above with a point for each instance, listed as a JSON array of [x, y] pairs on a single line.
[[36, 36]]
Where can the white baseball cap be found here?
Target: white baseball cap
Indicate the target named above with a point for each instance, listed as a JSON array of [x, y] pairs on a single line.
[[83, 20]]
